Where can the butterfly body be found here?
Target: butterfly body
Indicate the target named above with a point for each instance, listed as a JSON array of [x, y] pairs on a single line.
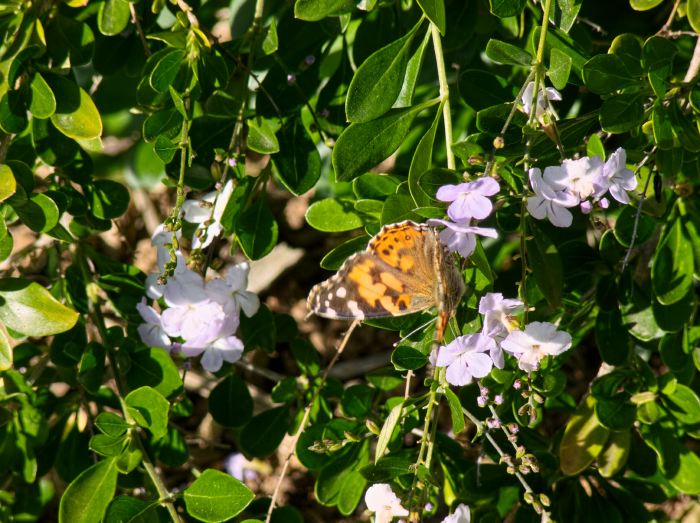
[[405, 269]]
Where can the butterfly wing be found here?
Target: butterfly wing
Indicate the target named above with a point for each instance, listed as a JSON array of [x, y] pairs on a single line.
[[393, 277]]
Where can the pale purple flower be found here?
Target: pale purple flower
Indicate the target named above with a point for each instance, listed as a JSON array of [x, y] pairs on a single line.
[[461, 237], [151, 331], [465, 358], [225, 348], [231, 292], [197, 323], [582, 176], [184, 287], [207, 213], [498, 312], [469, 200], [381, 500], [460, 515], [543, 99], [549, 202], [538, 340], [586, 207], [239, 467], [603, 203], [620, 178]]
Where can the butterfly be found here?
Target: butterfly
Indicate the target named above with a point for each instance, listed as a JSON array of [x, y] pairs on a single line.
[[405, 269]]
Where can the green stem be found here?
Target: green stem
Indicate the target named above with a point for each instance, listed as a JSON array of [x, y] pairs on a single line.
[[444, 94], [164, 497]]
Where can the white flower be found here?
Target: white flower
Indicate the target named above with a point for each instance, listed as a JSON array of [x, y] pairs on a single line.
[[582, 176], [543, 105], [540, 339], [208, 220], [381, 500], [151, 332], [498, 321], [224, 348], [460, 515], [197, 323], [549, 202], [231, 293], [618, 176], [239, 467], [465, 359]]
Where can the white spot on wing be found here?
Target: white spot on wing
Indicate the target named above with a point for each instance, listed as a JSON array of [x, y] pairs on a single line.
[[341, 292], [356, 312]]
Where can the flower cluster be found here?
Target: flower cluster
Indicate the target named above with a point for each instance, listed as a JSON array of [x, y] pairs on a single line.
[[468, 201], [474, 355], [386, 505], [201, 317], [207, 214], [582, 182]]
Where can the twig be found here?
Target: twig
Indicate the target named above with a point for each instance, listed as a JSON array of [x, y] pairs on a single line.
[[669, 21], [444, 94], [639, 209], [305, 419], [265, 373], [139, 29], [694, 66]]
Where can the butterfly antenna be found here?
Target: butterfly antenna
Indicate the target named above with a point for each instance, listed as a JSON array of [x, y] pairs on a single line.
[[414, 331]]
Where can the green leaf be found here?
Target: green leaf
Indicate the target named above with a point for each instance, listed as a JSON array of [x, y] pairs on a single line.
[[149, 409], [683, 404], [260, 330], [680, 465], [261, 136], [622, 112], [614, 456], [583, 440], [673, 265], [559, 68], [629, 48], [692, 11], [270, 43], [315, 10], [28, 308], [435, 11], [92, 367], [684, 127], [507, 54], [130, 510], [662, 127], [108, 446], [422, 162], [625, 225], [408, 358], [611, 337], [5, 352], [40, 213], [256, 230], [333, 215], [13, 113], [298, 162], [377, 82], [108, 199], [335, 258], [76, 115], [569, 13], [388, 428], [430, 181], [362, 146], [606, 73], [111, 424], [672, 318], [8, 184], [546, 265], [616, 413], [113, 17], [167, 123], [216, 496], [86, 498], [644, 5], [456, 413], [657, 60], [230, 403], [166, 70], [261, 436], [43, 101], [506, 8], [357, 400], [155, 368]]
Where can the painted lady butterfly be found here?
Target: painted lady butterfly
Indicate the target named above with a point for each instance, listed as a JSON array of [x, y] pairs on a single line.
[[405, 269]]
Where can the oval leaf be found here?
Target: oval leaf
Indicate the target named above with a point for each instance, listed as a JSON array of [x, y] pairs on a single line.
[[86, 498], [215, 496]]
